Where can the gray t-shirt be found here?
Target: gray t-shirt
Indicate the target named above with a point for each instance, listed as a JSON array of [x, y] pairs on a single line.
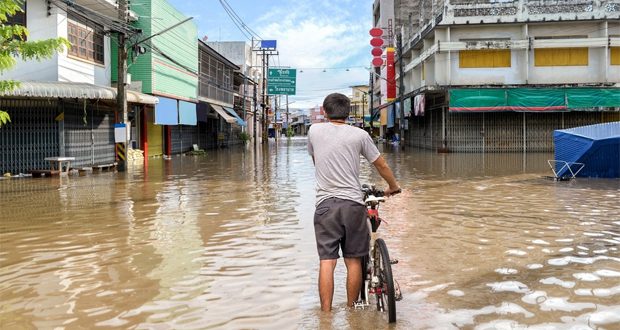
[[336, 150]]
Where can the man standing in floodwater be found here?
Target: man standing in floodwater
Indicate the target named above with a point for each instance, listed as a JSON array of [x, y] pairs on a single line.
[[340, 215]]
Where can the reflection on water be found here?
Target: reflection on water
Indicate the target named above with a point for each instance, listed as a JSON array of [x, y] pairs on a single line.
[[227, 241]]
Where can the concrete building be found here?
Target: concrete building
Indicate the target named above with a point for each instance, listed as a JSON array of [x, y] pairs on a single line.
[[168, 69], [88, 62], [359, 104], [65, 106], [502, 75], [299, 122], [251, 87], [216, 93], [383, 17], [317, 115]]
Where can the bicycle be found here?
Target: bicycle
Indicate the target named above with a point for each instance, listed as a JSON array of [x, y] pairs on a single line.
[[377, 278]]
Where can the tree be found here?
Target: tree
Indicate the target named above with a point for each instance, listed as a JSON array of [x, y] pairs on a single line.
[[14, 44]]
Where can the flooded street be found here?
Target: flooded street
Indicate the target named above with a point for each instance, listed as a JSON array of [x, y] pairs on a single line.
[[227, 241]]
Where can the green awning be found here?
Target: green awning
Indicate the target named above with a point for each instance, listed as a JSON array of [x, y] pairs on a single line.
[[533, 99], [593, 98]]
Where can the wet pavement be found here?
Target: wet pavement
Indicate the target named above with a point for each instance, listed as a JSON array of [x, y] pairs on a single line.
[[226, 241]]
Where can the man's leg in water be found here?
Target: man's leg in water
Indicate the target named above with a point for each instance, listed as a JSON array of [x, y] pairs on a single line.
[[326, 283], [354, 279]]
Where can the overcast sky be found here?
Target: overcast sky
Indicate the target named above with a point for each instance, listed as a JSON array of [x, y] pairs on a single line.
[[312, 35]]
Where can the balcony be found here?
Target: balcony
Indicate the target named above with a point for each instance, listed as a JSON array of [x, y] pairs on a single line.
[[509, 11]]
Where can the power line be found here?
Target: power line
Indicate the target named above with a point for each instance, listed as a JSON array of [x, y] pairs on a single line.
[[240, 20], [239, 23]]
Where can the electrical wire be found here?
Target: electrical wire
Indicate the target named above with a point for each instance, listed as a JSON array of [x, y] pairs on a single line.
[[243, 28], [240, 20], [156, 50]]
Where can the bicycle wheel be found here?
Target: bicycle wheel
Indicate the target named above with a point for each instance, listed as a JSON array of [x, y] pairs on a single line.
[[386, 281]]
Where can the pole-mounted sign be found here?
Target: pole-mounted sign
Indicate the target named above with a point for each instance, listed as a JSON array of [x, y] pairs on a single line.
[[281, 81]]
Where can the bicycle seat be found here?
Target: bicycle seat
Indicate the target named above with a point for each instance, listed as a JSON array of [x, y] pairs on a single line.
[[374, 199]]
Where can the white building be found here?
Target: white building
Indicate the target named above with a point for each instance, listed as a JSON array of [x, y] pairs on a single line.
[[513, 42], [482, 72], [65, 105], [88, 61]]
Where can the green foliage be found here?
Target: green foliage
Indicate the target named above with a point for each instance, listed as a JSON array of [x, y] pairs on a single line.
[[243, 136], [4, 118], [14, 44]]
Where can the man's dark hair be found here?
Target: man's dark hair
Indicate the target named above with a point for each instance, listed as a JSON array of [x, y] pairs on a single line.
[[337, 106]]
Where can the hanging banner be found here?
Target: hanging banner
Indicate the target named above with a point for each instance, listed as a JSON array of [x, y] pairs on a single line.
[[390, 75], [419, 102], [407, 105]]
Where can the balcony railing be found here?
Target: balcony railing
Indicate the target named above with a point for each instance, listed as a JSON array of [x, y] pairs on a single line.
[[213, 92]]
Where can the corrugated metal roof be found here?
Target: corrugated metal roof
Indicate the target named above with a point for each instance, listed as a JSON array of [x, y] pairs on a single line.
[[62, 89], [137, 97], [75, 90]]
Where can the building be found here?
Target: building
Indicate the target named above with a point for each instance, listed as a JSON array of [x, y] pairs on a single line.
[[167, 68], [359, 104], [249, 80], [299, 122], [216, 93], [317, 115], [498, 76], [65, 105]]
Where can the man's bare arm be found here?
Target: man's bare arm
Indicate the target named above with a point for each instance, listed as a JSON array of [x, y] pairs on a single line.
[[386, 173]]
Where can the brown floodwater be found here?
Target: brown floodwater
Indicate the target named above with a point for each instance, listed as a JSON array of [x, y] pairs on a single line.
[[226, 241]]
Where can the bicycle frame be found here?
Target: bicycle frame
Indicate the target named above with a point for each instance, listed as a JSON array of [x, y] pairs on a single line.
[[377, 277], [373, 221]]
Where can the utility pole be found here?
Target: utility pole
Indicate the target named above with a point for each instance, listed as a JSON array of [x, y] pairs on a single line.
[[121, 95], [255, 115], [265, 103], [363, 109], [401, 89], [245, 94], [275, 116], [372, 103], [265, 98], [288, 122]]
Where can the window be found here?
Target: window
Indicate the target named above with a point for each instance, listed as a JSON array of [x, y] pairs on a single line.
[[86, 42], [561, 56], [18, 19], [615, 55], [485, 58], [570, 56]]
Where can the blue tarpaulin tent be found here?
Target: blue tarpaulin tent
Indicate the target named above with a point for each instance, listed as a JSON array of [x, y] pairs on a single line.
[[595, 146]]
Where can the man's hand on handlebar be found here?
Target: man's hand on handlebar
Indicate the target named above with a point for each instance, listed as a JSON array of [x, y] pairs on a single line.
[[392, 191]]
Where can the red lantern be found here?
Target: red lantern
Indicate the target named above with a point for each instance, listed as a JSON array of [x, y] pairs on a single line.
[[376, 32], [377, 61], [376, 42], [376, 51]]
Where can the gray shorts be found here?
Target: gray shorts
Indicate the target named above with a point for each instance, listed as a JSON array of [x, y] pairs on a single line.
[[341, 223]]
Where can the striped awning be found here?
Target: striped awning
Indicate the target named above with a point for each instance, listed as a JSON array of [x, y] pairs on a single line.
[[223, 113], [58, 89]]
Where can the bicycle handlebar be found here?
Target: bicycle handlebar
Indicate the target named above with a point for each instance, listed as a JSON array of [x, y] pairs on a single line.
[[371, 190]]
